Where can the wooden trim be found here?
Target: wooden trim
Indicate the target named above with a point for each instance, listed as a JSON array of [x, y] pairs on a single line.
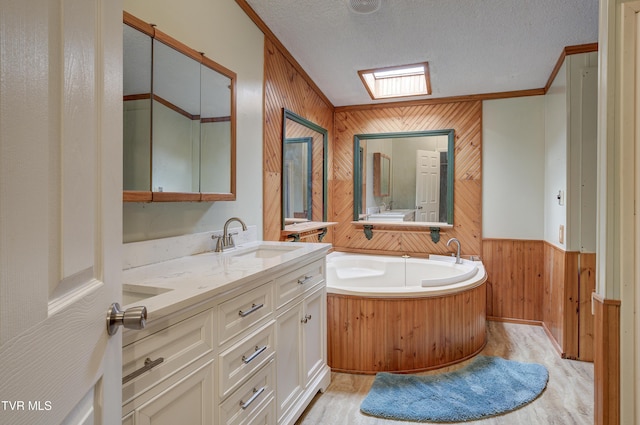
[[515, 321], [553, 341], [175, 196], [136, 196], [606, 363], [140, 96], [271, 36], [569, 50], [178, 45], [210, 196], [175, 108], [138, 24], [440, 100], [215, 119], [210, 63]]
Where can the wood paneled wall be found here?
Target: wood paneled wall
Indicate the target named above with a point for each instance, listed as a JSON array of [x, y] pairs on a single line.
[[286, 87], [515, 282], [534, 281], [606, 364], [466, 120], [560, 302]]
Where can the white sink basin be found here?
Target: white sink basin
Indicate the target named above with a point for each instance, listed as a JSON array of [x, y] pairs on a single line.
[[132, 294], [262, 251]]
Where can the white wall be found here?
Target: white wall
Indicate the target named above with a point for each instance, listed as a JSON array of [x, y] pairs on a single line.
[[513, 168], [221, 30], [556, 124]]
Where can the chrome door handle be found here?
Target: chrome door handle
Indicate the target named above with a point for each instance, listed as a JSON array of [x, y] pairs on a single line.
[[131, 318]]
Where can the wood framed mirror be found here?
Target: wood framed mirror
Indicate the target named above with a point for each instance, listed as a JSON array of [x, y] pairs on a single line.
[[179, 120]]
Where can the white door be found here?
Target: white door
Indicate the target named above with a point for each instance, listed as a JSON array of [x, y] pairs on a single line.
[[60, 210], [428, 186]]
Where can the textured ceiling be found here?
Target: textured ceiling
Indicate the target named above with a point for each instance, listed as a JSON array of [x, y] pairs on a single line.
[[472, 46]]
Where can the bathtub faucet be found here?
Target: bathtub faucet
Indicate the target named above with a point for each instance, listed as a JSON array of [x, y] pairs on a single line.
[[458, 260]]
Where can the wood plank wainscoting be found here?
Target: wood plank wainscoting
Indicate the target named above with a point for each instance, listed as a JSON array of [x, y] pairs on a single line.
[[531, 281], [606, 365]]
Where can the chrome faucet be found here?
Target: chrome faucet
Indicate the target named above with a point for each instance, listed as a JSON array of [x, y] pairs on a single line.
[[458, 260], [226, 240]]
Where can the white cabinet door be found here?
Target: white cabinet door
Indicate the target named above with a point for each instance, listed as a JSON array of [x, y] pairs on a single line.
[[288, 365], [314, 323], [60, 210]]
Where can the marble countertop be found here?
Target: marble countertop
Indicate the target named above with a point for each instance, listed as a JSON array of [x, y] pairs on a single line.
[[170, 286]]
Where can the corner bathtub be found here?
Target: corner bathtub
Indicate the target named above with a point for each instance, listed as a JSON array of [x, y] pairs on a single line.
[[397, 314]]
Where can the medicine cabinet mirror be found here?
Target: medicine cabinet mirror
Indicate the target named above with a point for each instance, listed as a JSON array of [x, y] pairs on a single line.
[[304, 170], [179, 120], [404, 177]]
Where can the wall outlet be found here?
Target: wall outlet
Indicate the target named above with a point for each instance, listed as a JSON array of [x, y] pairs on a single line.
[[561, 234]]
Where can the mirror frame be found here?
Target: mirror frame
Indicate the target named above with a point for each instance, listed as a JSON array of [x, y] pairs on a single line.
[[287, 114], [358, 170], [150, 195]]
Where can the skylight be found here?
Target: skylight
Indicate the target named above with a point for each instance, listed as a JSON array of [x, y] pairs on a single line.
[[397, 81]]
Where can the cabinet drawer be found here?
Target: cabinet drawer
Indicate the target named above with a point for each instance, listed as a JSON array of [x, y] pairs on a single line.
[[168, 351], [244, 358], [241, 312], [245, 405], [266, 416], [290, 285]]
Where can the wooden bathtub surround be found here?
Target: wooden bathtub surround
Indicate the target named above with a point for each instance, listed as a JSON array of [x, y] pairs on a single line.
[[606, 367], [370, 335]]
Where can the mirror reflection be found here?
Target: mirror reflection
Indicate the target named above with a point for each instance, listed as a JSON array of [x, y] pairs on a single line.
[[179, 119], [404, 176], [176, 121], [304, 170], [136, 109], [381, 174]]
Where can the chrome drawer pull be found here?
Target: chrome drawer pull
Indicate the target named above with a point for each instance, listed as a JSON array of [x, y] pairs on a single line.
[[258, 351], [307, 317], [305, 280], [256, 394], [148, 365], [253, 308]]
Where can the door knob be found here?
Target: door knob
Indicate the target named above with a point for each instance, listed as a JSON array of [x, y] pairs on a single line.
[[131, 318]]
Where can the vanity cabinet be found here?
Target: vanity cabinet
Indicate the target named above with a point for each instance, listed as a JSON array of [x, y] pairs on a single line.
[[253, 354], [300, 339], [168, 375]]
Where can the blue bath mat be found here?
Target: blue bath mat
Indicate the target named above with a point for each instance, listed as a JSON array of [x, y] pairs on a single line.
[[488, 386]]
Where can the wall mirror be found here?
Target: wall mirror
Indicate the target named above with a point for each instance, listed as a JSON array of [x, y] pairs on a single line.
[[179, 120], [304, 170], [419, 186], [381, 174]]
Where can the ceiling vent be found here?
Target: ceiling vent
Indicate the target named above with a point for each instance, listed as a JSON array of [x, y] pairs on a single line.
[[364, 6]]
